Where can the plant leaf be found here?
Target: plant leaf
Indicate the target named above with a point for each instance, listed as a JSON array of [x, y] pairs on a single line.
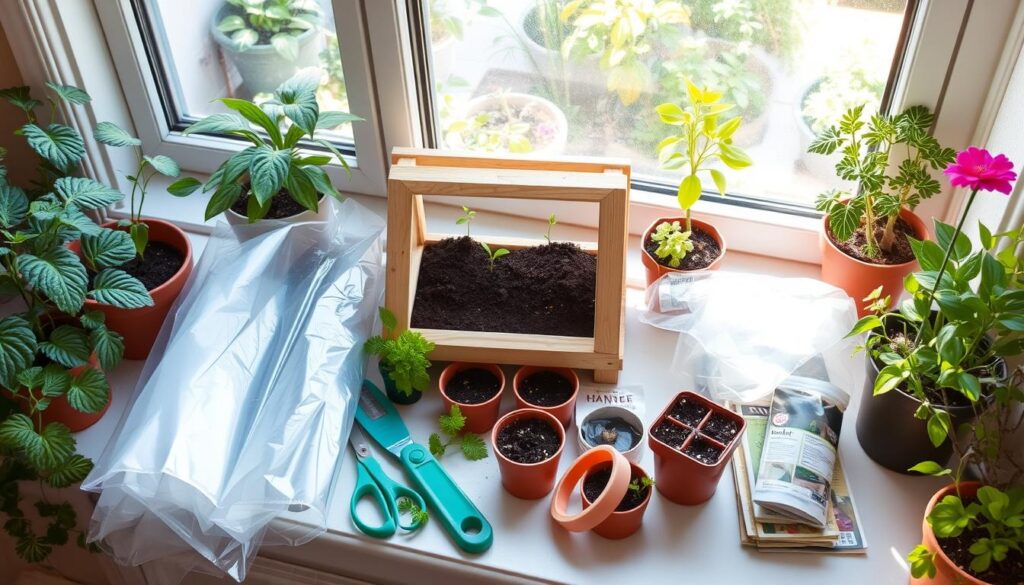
[[58, 144], [68, 346], [17, 348], [108, 346], [256, 115], [70, 93], [268, 171], [20, 97], [108, 248], [86, 193], [297, 99], [119, 289], [331, 120], [930, 468], [111, 134], [88, 391], [13, 206], [71, 471], [473, 447], [689, 192], [184, 186], [58, 273], [223, 123], [719, 178], [164, 165]]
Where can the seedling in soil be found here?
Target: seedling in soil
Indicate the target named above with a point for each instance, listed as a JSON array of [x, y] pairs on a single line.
[[405, 355], [596, 482], [466, 218], [640, 485], [493, 256], [551, 224], [472, 446], [418, 515]]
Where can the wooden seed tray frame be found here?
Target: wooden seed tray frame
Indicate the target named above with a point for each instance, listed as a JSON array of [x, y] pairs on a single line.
[[418, 172]]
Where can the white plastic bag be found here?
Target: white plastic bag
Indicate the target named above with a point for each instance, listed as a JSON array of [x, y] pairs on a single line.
[[243, 410], [743, 334]]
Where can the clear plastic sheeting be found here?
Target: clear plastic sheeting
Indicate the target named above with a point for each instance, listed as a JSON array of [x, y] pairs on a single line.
[[741, 334], [243, 410]]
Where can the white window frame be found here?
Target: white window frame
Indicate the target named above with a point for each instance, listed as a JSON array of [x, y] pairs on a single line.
[[956, 46]]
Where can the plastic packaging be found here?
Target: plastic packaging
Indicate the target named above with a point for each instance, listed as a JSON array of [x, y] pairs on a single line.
[[243, 411], [741, 334]]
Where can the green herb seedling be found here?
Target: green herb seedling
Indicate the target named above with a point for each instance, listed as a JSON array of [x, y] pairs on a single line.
[[451, 424], [551, 224], [673, 242], [466, 218], [641, 484], [405, 355], [493, 256], [418, 515]]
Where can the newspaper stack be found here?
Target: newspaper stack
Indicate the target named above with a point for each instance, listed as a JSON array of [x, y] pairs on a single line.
[[770, 531]]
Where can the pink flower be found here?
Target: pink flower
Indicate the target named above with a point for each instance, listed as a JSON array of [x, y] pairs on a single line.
[[977, 169]]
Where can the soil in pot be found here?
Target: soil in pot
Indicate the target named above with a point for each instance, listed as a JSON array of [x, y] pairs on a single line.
[[672, 435], [705, 251], [703, 450], [282, 205], [688, 412], [528, 441], [545, 290], [595, 483], [546, 389], [721, 428], [160, 263], [472, 386], [900, 253], [1006, 572]]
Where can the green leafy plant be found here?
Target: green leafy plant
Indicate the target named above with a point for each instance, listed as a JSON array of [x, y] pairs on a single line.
[[451, 424], [274, 162], [51, 350], [699, 143], [673, 242], [279, 23], [404, 355], [867, 148], [418, 515], [504, 127], [850, 80], [492, 256], [552, 220], [775, 25], [466, 218], [641, 484]]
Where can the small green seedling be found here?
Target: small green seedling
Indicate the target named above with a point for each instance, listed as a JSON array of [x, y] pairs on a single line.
[[493, 256], [673, 242], [451, 424], [466, 218], [641, 484], [551, 224], [405, 355], [418, 515]]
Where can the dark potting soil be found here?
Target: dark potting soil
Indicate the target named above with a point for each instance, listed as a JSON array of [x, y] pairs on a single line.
[[596, 482], [160, 263], [545, 389], [721, 428], [545, 290], [1009, 571], [671, 434], [901, 251], [528, 441], [688, 412], [705, 251], [281, 205], [472, 386], [703, 450]]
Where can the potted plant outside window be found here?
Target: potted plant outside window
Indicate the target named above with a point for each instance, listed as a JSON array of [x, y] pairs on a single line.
[[866, 235], [936, 362], [674, 244], [268, 41], [403, 360], [517, 123]]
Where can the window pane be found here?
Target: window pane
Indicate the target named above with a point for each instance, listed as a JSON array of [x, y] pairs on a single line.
[[584, 77], [208, 49]]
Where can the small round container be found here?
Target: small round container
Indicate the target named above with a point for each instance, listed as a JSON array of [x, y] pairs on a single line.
[[633, 454]]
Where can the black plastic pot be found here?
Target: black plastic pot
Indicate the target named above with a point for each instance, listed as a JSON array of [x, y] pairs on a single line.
[[394, 394]]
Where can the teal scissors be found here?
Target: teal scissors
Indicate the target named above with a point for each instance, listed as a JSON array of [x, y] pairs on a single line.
[[372, 481]]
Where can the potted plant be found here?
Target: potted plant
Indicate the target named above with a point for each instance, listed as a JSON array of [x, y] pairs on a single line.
[[669, 244], [272, 178], [552, 390], [542, 33], [866, 236], [692, 440], [403, 360], [933, 368], [268, 41], [528, 444], [774, 25], [517, 123], [475, 389], [629, 514]]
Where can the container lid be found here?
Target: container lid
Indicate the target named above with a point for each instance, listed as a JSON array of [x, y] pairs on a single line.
[[605, 504]]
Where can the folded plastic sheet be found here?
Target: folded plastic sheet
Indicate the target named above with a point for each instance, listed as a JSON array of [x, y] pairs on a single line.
[[244, 407]]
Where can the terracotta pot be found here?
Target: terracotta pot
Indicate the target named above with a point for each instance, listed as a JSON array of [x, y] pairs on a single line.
[[564, 411], [60, 411], [619, 524], [479, 417], [655, 269], [529, 481], [141, 326], [394, 394], [859, 278], [946, 571], [681, 478]]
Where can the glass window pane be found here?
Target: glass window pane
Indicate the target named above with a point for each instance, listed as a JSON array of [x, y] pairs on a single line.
[[208, 49], [583, 77]]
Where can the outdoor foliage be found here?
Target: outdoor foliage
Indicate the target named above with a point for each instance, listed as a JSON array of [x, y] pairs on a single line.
[[404, 356], [270, 22], [451, 424]]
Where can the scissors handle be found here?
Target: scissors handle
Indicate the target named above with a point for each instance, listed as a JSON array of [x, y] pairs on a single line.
[[366, 485]]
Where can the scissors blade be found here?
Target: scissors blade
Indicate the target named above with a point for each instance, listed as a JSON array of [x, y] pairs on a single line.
[[359, 441]]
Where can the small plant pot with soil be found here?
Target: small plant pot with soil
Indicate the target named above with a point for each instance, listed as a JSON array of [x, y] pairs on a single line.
[[552, 390], [616, 426], [164, 270], [707, 254], [282, 208], [528, 444], [391, 388], [476, 389], [503, 122], [692, 440], [629, 514]]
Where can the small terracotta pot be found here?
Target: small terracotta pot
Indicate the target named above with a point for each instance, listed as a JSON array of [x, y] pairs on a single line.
[[479, 417], [393, 393], [564, 411], [529, 481], [859, 278], [141, 326], [619, 524], [655, 269], [681, 478], [946, 571]]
